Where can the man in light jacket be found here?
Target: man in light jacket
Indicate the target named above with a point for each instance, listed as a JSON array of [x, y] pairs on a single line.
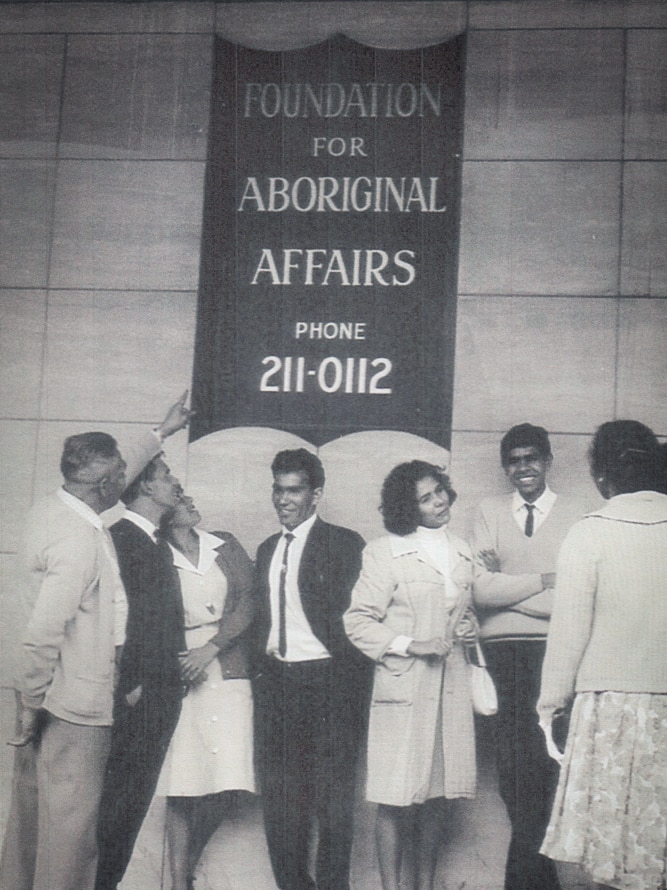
[[77, 623]]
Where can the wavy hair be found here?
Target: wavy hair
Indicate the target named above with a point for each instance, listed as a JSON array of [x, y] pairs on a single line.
[[400, 511]]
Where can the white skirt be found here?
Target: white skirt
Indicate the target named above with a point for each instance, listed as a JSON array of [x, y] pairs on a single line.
[[212, 746]]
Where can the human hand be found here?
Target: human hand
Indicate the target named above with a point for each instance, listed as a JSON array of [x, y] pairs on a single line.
[[437, 647], [177, 417], [552, 749], [132, 698], [467, 629], [490, 560], [29, 728], [548, 580], [194, 663]]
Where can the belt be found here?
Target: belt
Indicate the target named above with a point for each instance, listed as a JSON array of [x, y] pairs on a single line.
[[312, 671]]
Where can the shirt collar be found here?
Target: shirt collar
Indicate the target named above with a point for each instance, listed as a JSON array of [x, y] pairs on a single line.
[[144, 524], [80, 507], [301, 530], [543, 504], [208, 547]]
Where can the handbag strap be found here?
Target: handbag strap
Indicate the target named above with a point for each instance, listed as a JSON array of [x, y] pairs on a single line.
[[457, 614], [481, 661]]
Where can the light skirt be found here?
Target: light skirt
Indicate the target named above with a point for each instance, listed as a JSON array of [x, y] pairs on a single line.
[[610, 811], [212, 747]]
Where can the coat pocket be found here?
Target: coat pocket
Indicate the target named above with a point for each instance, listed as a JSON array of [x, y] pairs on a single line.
[[89, 697], [393, 681]]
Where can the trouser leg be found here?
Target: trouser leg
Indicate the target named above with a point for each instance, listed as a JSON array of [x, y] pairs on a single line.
[[70, 770], [527, 776], [17, 865], [284, 725], [139, 743]]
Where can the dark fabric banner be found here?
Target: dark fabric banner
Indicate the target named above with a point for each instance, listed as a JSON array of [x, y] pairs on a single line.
[[327, 300]]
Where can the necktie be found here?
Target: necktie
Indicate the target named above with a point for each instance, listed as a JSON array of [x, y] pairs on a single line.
[[530, 520], [282, 622]]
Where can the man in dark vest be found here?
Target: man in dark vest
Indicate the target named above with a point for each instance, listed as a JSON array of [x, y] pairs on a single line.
[[149, 692]]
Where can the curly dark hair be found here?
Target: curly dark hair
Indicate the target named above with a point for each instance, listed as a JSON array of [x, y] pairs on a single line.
[[400, 511], [627, 454]]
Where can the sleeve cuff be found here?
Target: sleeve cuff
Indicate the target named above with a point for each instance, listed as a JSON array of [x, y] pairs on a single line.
[[399, 646]]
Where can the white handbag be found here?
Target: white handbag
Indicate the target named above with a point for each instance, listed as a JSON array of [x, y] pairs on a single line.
[[483, 691]]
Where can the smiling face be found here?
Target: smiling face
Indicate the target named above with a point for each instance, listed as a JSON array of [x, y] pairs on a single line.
[[432, 502], [527, 470], [293, 498]]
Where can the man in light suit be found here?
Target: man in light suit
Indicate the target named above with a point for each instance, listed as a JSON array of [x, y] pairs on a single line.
[[150, 690], [77, 609], [313, 685]]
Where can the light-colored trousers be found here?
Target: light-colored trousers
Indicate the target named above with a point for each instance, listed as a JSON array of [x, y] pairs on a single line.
[[70, 766]]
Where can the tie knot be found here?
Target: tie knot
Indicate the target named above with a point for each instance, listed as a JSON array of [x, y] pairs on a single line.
[[289, 537], [529, 507]]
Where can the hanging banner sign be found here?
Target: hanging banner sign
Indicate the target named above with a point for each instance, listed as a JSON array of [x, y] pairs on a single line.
[[327, 300]]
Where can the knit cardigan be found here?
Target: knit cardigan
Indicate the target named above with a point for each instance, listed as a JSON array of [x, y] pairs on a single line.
[[609, 622]]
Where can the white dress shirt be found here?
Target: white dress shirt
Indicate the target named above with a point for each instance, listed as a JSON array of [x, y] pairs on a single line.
[[542, 506], [302, 644]]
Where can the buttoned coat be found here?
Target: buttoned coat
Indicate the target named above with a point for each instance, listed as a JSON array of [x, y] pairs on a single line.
[[399, 592]]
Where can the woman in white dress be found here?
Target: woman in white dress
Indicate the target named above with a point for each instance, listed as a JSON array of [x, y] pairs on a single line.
[[211, 751], [411, 613]]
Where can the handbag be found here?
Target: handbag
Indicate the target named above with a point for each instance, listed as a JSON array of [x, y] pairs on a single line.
[[482, 688]]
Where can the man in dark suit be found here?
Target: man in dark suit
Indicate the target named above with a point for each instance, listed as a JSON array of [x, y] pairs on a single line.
[[148, 696], [312, 688]]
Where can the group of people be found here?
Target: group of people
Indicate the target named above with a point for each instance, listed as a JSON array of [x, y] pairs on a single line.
[[160, 658]]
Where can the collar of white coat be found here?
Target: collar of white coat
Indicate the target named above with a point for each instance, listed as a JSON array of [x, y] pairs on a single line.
[[403, 544]]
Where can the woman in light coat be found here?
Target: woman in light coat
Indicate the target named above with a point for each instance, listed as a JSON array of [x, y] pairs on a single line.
[[411, 613]]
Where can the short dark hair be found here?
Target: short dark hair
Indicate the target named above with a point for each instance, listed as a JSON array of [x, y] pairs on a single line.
[[83, 449], [400, 511], [299, 460], [133, 490], [628, 455], [525, 435]]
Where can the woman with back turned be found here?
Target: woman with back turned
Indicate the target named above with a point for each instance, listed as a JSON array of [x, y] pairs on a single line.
[[606, 649]]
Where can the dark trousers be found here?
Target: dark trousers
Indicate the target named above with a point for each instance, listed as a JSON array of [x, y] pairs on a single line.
[[307, 747], [139, 742], [527, 775]]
